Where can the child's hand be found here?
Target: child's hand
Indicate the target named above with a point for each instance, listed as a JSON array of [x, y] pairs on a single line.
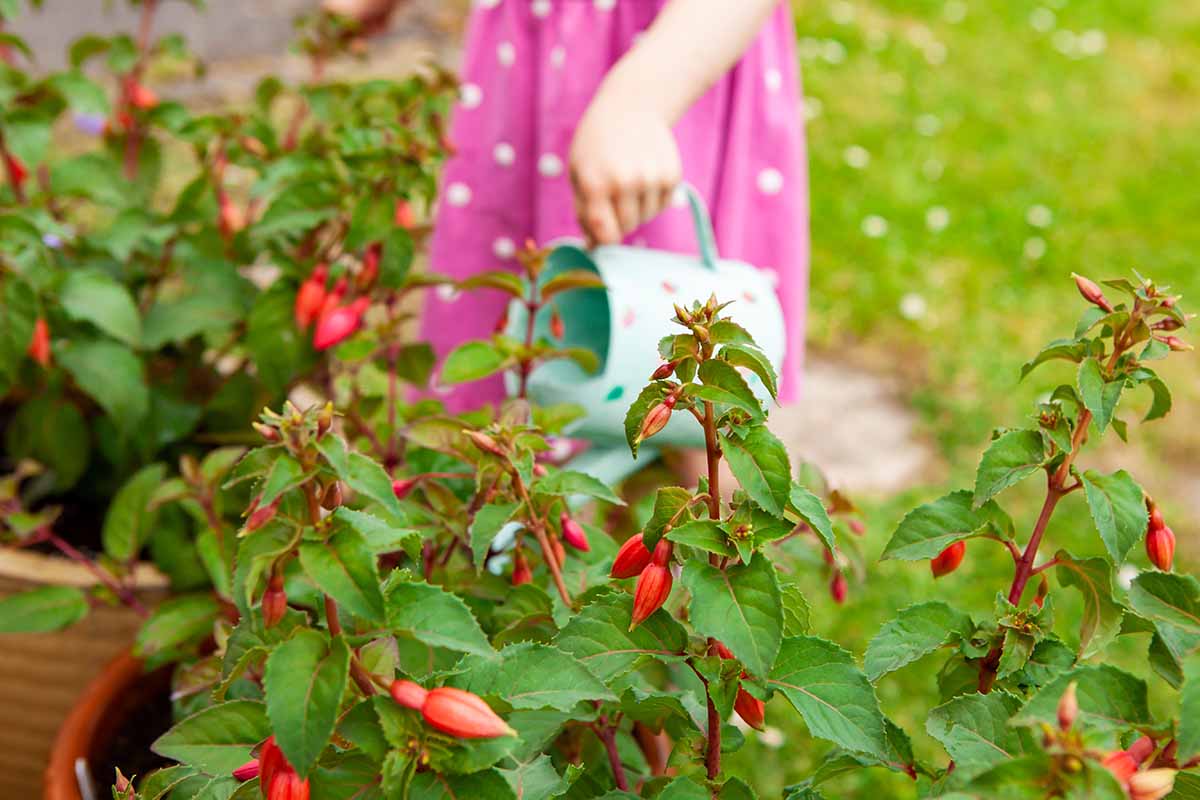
[[624, 166]]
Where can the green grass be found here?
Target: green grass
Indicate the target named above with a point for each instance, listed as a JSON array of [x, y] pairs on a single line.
[[970, 107]]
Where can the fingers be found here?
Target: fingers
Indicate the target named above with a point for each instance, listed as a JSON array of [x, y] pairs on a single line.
[[608, 211]]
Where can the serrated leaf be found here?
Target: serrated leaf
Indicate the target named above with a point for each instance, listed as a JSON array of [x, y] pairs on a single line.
[[112, 375], [344, 567], [304, 680], [1117, 508], [1008, 460], [704, 534], [489, 784], [286, 473], [487, 523], [684, 788], [530, 675], [218, 739], [913, 633], [535, 780], [1109, 699], [753, 359], [47, 608], [974, 730], [795, 610], [472, 361], [760, 463], [723, 384], [93, 296], [1172, 603], [811, 510], [436, 617], [180, 621], [129, 518], [360, 473], [1189, 710], [668, 504], [741, 606], [568, 483], [835, 699], [929, 529], [1068, 349], [1102, 614], [599, 637], [1099, 396]]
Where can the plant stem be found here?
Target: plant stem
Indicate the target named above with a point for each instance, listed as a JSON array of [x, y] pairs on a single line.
[[360, 675], [608, 735], [531, 309], [714, 458], [712, 753], [124, 593], [538, 525]]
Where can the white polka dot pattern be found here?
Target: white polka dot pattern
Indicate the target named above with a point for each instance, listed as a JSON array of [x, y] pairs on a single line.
[[773, 78], [504, 247], [770, 181], [540, 8], [470, 95], [506, 53], [550, 165], [458, 194], [505, 154], [558, 56], [605, 5]]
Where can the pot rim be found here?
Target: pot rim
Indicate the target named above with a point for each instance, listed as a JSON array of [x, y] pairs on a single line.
[[36, 568]]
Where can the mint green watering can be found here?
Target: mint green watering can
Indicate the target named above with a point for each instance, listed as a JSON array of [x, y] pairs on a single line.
[[623, 323]]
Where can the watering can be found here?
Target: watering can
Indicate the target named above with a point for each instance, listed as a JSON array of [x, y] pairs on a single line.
[[622, 324]]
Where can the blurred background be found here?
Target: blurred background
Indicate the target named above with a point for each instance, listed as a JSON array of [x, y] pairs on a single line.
[[966, 158]]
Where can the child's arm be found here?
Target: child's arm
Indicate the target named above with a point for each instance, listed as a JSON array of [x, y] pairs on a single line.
[[624, 161]]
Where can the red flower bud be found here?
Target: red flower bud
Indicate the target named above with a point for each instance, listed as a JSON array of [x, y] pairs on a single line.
[[1168, 324], [631, 558], [262, 515], [16, 170], [557, 329], [665, 370], [231, 218], [857, 527], [1152, 784], [722, 650], [274, 601], [1091, 292], [655, 420], [521, 574], [1175, 343], [1068, 708], [39, 343], [408, 694], [502, 323], [1160, 547], [1120, 764], [370, 265], [1140, 750], [247, 771], [271, 762], [948, 560], [339, 324], [333, 298], [838, 588], [266, 431], [752, 710], [402, 487], [311, 297], [141, 96], [331, 498], [539, 470], [404, 216], [288, 786], [463, 715], [662, 553], [573, 533], [653, 588], [1043, 589], [485, 443]]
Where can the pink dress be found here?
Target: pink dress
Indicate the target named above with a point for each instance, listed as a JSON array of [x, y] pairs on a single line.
[[530, 69]]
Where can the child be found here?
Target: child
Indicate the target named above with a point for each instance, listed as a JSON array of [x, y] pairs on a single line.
[[580, 117]]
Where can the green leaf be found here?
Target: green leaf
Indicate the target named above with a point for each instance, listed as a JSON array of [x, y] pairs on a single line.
[[505, 281], [974, 730], [1172, 603], [436, 617], [929, 529], [179, 621], [1010, 459], [286, 473], [1161, 404], [1109, 699], [93, 296], [530, 675], [741, 606], [759, 461], [1099, 396], [753, 359], [280, 351], [811, 509], [1102, 614], [487, 523], [535, 780], [487, 784], [723, 384], [472, 361], [304, 680], [569, 280], [47, 608], [51, 431], [567, 483], [913, 633], [600, 638], [1118, 509], [1068, 349], [836, 700], [129, 520], [668, 510], [360, 473], [218, 739], [649, 397], [344, 567], [112, 375], [704, 534], [796, 611], [1189, 710]]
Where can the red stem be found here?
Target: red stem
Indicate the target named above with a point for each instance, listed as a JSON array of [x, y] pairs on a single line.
[[531, 309], [712, 753], [608, 735], [133, 140], [127, 597]]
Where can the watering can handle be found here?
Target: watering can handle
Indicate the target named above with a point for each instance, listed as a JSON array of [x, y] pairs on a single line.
[[704, 230]]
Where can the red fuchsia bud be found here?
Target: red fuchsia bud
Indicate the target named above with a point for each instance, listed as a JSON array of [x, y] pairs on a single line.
[[1140, 750], [502, 323], [1120, 764], [39, 343], [325, 419], [231, 219], [1168, 324], [1043, 589], [141, 96], [404, 216], [122, 784], [573, 533], [857, 527], [631, 558], [838, 588], [274, 601], [331, 498], [288, 786], [485, 443], [722, 650], [253, 146], [16, 170], [557, 328], [1175, 343], [1160, 547], [1155, 513], [408, 694], [670, 400], [339, 324], [266, 431], [463, 715], [1091, 292], [402, 487], [262, 515], [333, 298], [1068, 708], [539, 470], [247, 771], [1152, 784], [271, 762], [665, 370], [370, 265], [311, 297], [752, 710], [521, 573], [656, 420], [948, 560], [662, 553], [653, 588]]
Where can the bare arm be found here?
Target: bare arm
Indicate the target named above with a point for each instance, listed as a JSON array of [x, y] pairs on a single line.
[[624, 161]]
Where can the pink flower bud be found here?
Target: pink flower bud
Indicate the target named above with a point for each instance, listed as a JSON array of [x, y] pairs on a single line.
[[39, 343], [247, 771], [266, 431], [408, 694], [857, 527], [402, 487], [462, 715], [339, 324], [655, 421], [1091, 292], [665, 370], [274, 601], [404, 216], [1168, 324], [1140, 750], [262, 515], [838, 588], [948, 560], [752, 710], [521, 574], [573, 533], [631, 558], [557, 329], [1068, 708], [1175, 343], [485, 443]]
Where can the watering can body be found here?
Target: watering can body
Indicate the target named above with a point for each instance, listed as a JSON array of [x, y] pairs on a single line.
[[623, 323]]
